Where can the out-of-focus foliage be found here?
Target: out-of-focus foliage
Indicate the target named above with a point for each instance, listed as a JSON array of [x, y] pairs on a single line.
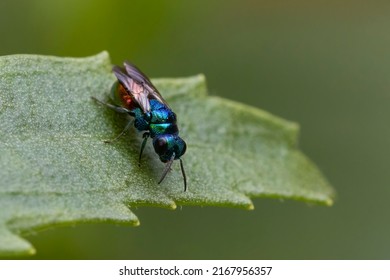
[[323, 64]]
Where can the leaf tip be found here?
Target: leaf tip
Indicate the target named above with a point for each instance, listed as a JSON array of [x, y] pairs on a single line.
[[201, 77], [31, 251], [250, 207], [136, 223], [329, 202]]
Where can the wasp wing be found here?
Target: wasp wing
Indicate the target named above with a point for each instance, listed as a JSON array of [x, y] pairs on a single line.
[[138, 85], [134, 72], [137, 91]]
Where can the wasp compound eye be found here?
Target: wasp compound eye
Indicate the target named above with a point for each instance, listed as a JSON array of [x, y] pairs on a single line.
[[160, 145]]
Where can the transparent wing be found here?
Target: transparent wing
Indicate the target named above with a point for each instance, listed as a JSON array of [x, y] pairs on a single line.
[[138, 85], [134, 72]]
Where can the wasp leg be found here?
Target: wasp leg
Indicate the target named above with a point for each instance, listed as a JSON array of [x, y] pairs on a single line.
[[145, 136], [127, 127], [119, 110], [113, 107], [167, 168]]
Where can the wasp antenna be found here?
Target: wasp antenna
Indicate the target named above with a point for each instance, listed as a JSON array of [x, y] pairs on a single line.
[[184, 174], [145, 136], [167, 168]]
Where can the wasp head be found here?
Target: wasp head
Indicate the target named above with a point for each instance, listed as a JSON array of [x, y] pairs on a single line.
[[168, 144]]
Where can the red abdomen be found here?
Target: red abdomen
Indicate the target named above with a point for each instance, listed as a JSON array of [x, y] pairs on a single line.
[[125, 98]]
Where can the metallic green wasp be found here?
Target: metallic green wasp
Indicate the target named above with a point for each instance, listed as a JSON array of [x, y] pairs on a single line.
[[134, 94]]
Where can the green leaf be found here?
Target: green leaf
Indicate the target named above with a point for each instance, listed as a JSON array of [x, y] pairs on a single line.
[[56, 169]]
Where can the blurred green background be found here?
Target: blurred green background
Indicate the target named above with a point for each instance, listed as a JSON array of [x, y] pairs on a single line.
[[323, 64]]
